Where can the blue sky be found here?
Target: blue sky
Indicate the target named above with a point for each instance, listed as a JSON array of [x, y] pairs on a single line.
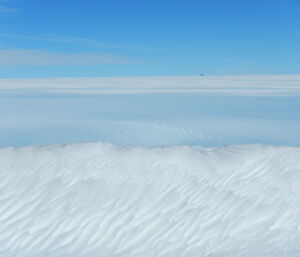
[[146, 38]]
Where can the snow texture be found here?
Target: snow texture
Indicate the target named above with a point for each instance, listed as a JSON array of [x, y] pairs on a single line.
[[151, 111], [152, 192], [88, 200]]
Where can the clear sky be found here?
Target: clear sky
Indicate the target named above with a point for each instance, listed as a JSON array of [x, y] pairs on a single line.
[[64, 38]]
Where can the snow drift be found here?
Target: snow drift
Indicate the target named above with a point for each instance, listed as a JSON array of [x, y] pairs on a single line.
[[101, 200]]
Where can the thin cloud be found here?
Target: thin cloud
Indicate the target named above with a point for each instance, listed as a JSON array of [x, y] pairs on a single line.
[[7, 10], [67, 40], [4, 9], [88, 42], [32, 57]]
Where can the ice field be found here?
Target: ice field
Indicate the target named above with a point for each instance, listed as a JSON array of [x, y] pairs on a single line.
[[157, 166]]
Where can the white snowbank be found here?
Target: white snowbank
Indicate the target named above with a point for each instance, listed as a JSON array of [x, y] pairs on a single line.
[[100, 200]]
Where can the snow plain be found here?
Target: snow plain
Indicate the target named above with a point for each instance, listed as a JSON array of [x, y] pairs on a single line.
[[171, 187], [151, 111]]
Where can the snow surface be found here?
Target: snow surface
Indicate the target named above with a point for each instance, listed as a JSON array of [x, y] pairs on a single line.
[[100, 200], [209, 111], [288, 85], [158, 193]]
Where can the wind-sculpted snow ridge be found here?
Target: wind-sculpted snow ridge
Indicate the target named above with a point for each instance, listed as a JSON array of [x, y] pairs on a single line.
[[88, 200]]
